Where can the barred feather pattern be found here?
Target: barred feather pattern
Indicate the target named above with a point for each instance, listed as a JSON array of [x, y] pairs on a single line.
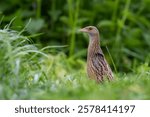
[[97, 66]]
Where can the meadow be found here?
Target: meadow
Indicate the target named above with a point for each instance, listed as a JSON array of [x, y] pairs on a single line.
[[43, 55]]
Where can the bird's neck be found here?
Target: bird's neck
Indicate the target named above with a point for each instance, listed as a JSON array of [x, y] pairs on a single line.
[[94, 45]]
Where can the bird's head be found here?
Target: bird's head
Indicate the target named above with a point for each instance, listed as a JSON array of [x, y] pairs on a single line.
[[91, 30]]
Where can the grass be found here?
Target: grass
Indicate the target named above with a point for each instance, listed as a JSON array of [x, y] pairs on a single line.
[[28, 72], [124, 26]]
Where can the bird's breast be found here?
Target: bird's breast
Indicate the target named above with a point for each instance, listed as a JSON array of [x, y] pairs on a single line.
[[90, 70]]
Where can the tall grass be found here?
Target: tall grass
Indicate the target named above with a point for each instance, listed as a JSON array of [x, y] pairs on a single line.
[[124, 26], [28, 72], [118, 46], [31, 72], [73, 11], [38, 7], [16, 56]]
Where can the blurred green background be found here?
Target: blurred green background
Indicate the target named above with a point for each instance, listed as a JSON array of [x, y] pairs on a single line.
[[51, 56]]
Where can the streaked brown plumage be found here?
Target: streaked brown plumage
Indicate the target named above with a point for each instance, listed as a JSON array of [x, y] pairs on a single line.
[[97, 66]]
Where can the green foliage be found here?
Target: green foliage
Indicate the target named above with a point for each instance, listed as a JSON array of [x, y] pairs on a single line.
[[18, 58], [29, 73], [124, 25], [58, 72]]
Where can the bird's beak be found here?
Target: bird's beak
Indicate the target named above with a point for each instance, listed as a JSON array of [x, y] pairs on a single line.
[[83, 30]]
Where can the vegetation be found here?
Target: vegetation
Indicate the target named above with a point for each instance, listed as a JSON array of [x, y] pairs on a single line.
[[43, 56]]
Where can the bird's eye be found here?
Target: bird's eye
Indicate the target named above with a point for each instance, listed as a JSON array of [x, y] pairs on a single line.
[[90, 28]]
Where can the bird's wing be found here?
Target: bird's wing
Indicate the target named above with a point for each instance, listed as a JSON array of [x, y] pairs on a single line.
[[101, 67]]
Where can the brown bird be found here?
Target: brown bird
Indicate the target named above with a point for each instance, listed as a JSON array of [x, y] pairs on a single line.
[[97, 66]]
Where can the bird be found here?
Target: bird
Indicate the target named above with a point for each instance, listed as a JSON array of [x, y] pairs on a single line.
[[97, 66]]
